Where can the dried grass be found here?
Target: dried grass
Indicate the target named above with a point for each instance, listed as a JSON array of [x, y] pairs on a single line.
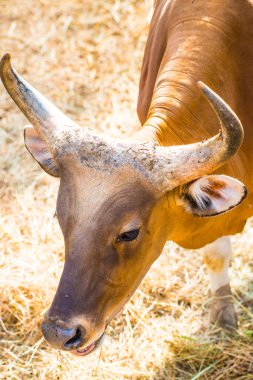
[[86, 56]]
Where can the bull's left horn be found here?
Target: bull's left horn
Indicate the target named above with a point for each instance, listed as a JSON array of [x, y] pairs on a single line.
[[176, 165], [42, 114]]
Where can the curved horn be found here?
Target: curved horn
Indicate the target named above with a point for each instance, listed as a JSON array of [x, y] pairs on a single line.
[[180, 164], [42, 114]]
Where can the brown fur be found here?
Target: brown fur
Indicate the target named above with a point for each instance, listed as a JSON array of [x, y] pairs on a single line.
[[213, 42], [101, 274]]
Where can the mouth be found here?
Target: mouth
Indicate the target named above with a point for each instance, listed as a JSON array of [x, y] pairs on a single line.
[[90, 348]]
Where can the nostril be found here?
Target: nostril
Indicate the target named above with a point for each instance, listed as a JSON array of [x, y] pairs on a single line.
[[63, 338], [76, 340]]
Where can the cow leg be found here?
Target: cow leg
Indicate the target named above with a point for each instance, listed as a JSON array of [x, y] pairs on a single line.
[[217, 257]]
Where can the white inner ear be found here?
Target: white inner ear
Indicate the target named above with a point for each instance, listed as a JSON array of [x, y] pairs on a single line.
[[214, 194]]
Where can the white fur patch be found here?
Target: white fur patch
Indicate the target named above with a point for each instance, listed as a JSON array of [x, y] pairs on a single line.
[[213, 194], [220, 248]]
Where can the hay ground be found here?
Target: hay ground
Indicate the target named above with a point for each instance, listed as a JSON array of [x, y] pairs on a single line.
[[86, 56]]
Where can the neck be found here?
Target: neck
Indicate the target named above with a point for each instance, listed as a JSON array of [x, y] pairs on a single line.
[[193, 52]]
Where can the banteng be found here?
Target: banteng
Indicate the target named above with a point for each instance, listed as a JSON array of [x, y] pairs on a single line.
[[119, 200]]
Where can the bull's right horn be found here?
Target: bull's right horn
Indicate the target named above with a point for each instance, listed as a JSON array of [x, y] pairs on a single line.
[[180, 164]]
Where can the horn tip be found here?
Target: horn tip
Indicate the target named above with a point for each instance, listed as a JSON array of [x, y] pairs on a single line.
[[202, 86], [205, 89], [6, 59]]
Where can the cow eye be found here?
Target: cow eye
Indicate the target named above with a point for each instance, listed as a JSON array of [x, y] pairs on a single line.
[[128, 236]]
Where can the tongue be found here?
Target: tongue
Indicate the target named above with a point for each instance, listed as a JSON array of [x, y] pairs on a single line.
[[84, 351]]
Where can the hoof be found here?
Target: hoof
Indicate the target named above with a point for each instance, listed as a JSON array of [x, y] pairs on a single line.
[[222, 311]]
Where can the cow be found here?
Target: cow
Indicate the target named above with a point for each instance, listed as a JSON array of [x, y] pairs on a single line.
[[177, 178]]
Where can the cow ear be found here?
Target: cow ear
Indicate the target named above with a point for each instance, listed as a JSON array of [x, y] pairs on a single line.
[[212, 195], [40, 152]]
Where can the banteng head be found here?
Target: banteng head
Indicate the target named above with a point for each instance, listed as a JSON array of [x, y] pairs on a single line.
[[116, 205]]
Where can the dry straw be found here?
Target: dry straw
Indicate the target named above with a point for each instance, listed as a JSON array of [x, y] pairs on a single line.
[[86, 56]]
